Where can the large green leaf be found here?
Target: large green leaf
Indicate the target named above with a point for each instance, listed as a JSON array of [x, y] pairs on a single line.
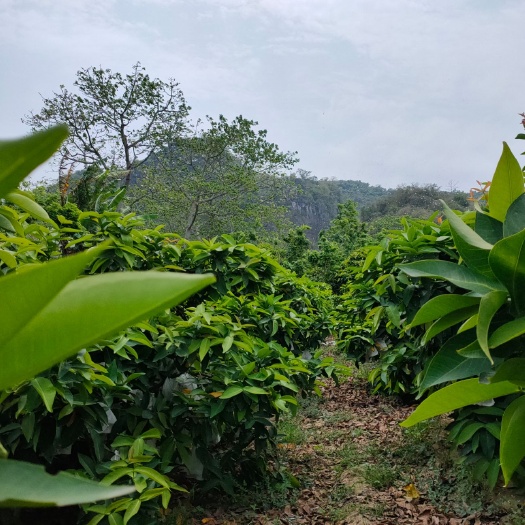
[[507, 332], [29, 205], [488, 307], [447, 365], [506, 186], [507, 260], [512, 370], [18, 158], [458, 395], [27, 485], [25, 293], [46, 390], [449, 320], [472, 248], [89, 310], [515, 219], [459, 275], [442, 305], [512, 448], [488, 228]]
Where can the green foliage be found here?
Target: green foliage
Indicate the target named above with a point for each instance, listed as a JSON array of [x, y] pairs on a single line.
[[296, 250], [345, 234], [211, 379], [374, 313], [413, 201], [36, 300], [476, 433], [493, 272], [221, 179], [115, 120], [315, 201]]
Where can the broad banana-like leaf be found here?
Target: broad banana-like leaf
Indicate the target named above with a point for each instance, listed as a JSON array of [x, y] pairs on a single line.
[[473, 249], [512, 370], [29, 290], [442, 305], [507, 260], [488, 307], [18, 158], [447, 365], [512, 447], [89, 310], [515, 219], [506, 185], [458, 395], [459, 275], [27, 485], [488, 228], [449, 320], [508, 331]]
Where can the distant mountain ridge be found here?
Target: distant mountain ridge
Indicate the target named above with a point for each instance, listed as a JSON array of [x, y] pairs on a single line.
[[316, 200]]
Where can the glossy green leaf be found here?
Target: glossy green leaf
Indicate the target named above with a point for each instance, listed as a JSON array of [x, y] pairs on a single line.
[[255, 390], [24, 484], [18, 158], [488, 228], [507, 332], [28, 205], [227, 343], [442, 305], [488, 307], [115, 519], [512, 370], [46, 391], [473, 249], [515, 219], [204, 348], [506, 186], [110, 302], [459, 275], [447, 365], [231, 392], [467, 432], [8, 259], [132, 509], [457, 395], [25, 293], [471, 322], [507, 260], [512, 447], [473, 351], [449, 320], [153, 474], [493, 472]]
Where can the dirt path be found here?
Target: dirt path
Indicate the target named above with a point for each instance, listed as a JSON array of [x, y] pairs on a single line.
[[355, 465]]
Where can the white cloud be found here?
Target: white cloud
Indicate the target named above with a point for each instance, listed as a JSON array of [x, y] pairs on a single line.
[[389, 92]]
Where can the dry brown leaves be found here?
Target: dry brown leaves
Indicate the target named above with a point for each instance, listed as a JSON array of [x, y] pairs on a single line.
[[338, 496]]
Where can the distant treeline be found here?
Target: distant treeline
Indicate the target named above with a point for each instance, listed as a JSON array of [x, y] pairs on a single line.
[[315, 202]]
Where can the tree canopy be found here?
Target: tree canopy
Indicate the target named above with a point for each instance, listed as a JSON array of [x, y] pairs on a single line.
[[114, 120], [220, 178]]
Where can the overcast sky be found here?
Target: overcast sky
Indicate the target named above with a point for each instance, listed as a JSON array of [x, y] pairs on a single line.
[[387, 92]]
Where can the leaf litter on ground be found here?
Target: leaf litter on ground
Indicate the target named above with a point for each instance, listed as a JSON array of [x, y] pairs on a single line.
[[356, 465]]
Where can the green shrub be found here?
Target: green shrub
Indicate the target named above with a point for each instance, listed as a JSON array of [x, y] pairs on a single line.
[[374, 313], [489, 344], [37, 299], [191, 396]]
